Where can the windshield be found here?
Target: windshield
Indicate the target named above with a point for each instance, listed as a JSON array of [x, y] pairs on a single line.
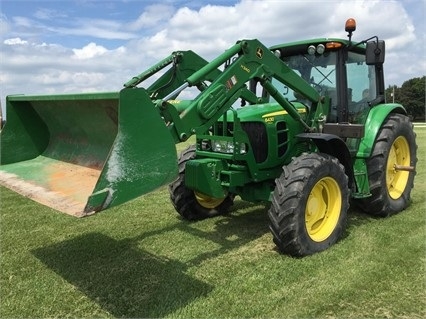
[[317, 70]]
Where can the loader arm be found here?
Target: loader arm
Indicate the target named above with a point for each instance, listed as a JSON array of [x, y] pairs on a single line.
[[253, 61]]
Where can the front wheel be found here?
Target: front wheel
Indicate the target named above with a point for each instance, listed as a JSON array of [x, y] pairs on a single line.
[[309, 205], [192, 205], [391, 168]]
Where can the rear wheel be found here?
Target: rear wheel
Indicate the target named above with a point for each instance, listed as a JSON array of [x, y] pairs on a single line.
[[309, 205], [192, 205], [394, 153]]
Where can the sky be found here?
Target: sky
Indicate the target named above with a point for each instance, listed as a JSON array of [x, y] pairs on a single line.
[[74, 46]]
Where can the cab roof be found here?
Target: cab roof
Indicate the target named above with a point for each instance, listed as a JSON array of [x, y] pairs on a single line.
[[297, 47]]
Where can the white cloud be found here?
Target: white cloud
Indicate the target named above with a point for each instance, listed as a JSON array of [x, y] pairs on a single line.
[[89, 51], [15, 41], [275, 22]]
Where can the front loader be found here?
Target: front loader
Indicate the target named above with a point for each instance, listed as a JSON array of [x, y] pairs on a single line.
[[303, 125]]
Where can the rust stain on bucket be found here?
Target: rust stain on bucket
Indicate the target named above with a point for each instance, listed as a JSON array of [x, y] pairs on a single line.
[[64, 186]]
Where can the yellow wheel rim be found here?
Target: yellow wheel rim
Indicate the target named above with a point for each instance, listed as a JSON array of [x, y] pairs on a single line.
[[399, 154], [207, 201], [323, 209]]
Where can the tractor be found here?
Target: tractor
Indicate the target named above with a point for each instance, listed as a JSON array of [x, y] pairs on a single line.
[[303, 126]]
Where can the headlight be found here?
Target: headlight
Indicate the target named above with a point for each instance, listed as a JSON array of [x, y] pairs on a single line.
[[227, 147]]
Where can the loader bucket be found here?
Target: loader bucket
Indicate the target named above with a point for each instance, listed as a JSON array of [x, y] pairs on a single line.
[[83, 153]]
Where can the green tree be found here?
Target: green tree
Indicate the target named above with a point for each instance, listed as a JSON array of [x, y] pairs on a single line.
[[412, 95]]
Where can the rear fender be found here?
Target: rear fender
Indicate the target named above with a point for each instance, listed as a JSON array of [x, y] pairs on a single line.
[[375, 119]]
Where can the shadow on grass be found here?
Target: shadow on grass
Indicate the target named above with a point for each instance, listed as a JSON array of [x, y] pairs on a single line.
[[124, 281], [357, 217], [129, 282], [229, 232]]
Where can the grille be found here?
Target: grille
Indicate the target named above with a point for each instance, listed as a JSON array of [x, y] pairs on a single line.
[[258, 137]]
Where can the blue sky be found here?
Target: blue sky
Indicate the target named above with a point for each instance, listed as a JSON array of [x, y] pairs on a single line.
[[51, 47], [108, 23]]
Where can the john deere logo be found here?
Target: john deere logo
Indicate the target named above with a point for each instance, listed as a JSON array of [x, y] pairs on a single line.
[[259, 53]]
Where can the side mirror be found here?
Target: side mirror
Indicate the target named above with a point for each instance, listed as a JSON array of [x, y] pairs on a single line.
[[375, 52]]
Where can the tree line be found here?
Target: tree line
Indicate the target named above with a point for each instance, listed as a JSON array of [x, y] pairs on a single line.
[[411, 95]]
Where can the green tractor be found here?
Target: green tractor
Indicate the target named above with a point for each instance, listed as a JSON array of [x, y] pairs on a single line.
[[302, 125]]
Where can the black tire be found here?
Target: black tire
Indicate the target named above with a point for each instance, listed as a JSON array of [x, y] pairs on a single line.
[[391, 189], [190, 204], [309, 205]]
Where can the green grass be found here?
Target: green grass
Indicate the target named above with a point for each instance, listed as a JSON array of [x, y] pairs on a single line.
[[141, 260]]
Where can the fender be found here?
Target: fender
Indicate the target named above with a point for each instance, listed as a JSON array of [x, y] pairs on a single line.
[[333, 145], [374, 122]]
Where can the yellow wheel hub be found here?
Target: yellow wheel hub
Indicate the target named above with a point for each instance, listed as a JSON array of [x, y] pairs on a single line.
[[323, 209], [396, 180], [207, 201]]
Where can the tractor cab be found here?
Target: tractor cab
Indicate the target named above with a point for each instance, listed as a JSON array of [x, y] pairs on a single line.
[[337, 70]]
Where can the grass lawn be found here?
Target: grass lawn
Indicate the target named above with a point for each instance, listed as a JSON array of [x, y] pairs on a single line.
[[141, 260]]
